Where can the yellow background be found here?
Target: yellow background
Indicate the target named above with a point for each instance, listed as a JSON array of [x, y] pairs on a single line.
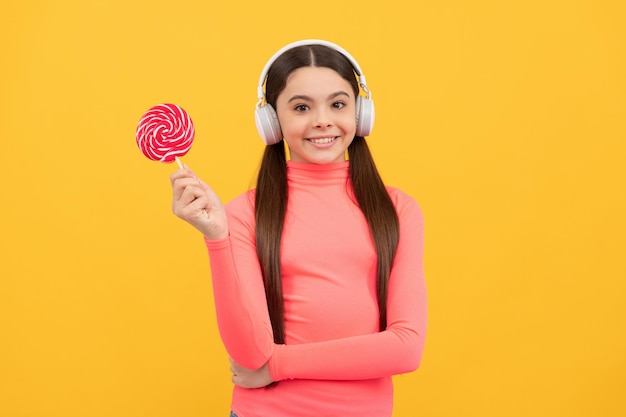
[[505, 120]]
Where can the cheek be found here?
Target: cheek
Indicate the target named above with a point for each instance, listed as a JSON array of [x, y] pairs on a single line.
[[349, 122], [295, 125], [284, 119], [287, 127]]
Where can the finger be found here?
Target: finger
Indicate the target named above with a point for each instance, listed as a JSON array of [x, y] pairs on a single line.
[[204, 185], [190, 193], [234, 368], [209, 191], [179, 185], [186, 192], [185, 177], [181, 173], [192, 207], [186, 197], [186, 168], [196, 210]]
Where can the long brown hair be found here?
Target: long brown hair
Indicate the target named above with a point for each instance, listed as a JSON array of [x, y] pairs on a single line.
[[272, 194]]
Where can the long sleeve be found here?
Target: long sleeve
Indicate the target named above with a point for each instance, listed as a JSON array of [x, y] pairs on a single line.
[[328, 267], [239, 295], [396, 350]]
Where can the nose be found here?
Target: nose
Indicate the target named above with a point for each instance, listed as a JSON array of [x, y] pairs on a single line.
[[323, 118]]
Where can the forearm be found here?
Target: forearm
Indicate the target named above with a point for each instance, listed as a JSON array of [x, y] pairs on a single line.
[[362, 357], [396, 350], [241, 312]]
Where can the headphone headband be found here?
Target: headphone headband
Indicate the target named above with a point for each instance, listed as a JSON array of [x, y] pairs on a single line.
[[355, 65], [266, 118]]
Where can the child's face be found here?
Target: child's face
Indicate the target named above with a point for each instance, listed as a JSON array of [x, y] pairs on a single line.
[[317, 115]]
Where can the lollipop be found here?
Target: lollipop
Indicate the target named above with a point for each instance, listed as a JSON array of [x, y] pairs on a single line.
[[164, 133]]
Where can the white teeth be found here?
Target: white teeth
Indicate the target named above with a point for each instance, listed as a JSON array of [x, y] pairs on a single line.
[[322, 140]]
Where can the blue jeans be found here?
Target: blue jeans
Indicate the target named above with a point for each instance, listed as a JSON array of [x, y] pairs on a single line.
[[233, 414]]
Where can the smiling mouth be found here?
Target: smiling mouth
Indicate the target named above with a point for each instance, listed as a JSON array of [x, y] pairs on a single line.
[[321, 141]]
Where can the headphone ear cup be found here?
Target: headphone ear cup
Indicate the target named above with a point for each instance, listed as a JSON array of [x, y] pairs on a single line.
[[364, 116], [267, 124]]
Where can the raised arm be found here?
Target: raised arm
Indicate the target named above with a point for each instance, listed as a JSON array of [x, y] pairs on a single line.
[[237, 283], [240, 302]]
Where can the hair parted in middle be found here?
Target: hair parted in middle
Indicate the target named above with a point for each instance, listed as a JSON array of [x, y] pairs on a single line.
[[271, 195]]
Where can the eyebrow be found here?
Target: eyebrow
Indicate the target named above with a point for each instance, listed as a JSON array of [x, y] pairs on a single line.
[[307, 98]]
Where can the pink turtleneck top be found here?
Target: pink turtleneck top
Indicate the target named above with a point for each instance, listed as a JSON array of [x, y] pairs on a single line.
[[335, 361]]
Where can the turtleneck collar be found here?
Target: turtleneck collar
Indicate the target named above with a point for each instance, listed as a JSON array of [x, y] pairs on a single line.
[[336, 173]]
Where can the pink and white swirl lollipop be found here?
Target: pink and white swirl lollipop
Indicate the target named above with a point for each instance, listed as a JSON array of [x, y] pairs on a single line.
[[164, 133]]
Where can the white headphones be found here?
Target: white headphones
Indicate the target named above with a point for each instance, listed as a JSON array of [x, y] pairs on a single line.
[[267, 120]]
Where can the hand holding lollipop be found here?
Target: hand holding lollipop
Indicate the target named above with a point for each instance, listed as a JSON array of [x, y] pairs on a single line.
[[195, 202], [164, 133]]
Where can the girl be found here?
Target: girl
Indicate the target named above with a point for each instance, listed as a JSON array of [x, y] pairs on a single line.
[[317, 273]]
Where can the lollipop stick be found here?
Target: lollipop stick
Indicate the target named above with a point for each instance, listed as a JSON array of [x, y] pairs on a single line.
[[180, 164]]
